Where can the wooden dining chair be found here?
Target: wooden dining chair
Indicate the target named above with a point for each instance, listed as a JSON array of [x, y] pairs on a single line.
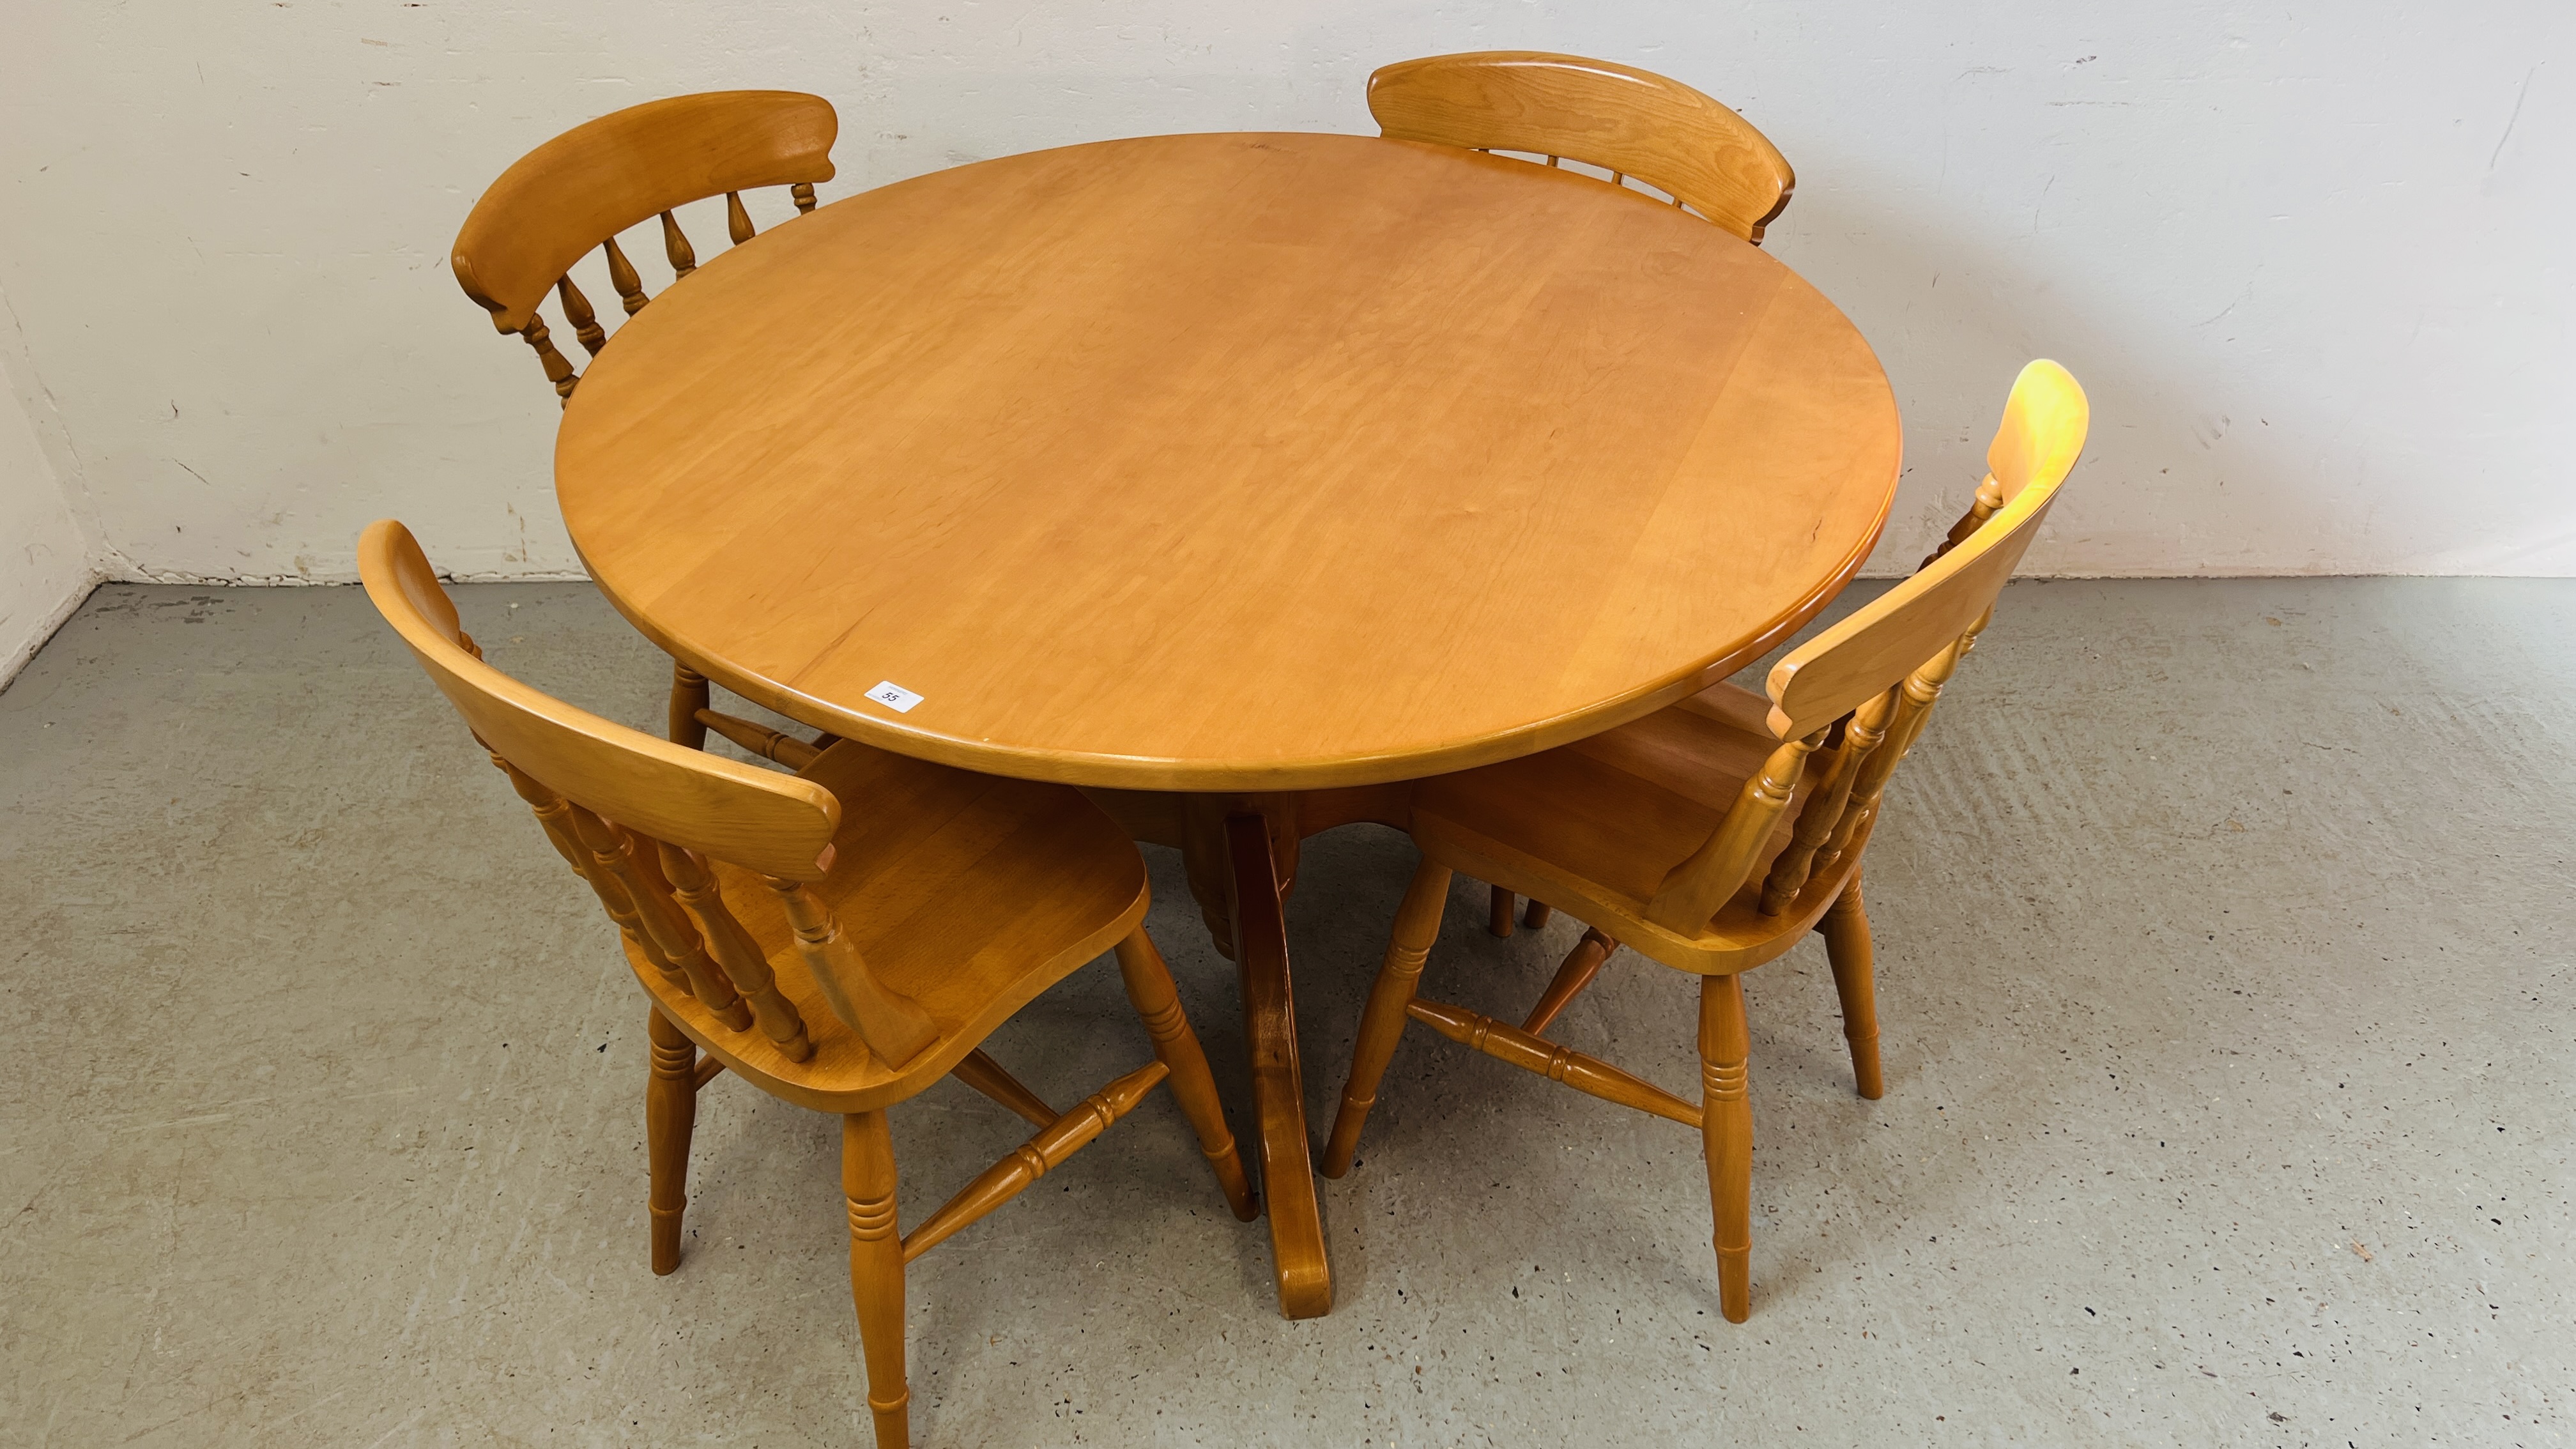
[[577, 193], [581, 189], [1595, 949], [839, 961], [1704, 836], [1633, 123]]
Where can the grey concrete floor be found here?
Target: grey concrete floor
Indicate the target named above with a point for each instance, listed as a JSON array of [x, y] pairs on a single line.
[[2223, 956]]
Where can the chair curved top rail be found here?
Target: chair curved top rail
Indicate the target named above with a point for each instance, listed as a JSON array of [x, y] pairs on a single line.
[[599, 178], [2043, 432], [759, 819], [1626, 120]]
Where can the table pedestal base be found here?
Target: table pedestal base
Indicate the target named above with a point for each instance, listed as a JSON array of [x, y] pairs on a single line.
[[1242, 855], [1278, 1089]]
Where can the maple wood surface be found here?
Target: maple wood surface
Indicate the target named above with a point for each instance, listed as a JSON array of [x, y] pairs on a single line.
[[1300, 1267], [599, 178], [1627, 121], [1217, 462]]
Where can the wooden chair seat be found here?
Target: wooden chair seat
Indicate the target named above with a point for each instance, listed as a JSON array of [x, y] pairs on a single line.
[[969, 894], [1594, 827]]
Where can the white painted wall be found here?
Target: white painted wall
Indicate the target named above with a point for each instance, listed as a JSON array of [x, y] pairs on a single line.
[[2312, 261], [46, 565]]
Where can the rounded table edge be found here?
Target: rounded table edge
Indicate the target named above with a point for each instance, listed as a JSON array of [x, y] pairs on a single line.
[[1171, 776]]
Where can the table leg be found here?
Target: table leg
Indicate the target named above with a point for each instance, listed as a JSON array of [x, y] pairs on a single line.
[[1260, 943]]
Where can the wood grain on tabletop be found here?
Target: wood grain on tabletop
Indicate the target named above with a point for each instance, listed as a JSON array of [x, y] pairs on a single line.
[[1217, 462]]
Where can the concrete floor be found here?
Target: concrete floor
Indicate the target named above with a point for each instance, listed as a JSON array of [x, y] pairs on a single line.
[[2229, 1040]]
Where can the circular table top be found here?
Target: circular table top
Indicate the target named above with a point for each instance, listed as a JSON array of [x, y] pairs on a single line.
[[1230, 462]]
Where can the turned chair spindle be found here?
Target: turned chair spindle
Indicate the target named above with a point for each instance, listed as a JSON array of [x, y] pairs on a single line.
[[585, 322], [658, 917], [558, 370], [1862, 733], [744, 900], [621, 275], [740, 957], [675, 246]]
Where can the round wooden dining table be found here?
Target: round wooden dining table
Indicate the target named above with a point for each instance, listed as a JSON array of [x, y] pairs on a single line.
[[1238, 478]]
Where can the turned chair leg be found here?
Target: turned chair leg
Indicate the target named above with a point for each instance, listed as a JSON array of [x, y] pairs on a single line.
[[1576, 972], [670, 1113], [1158, 1002], [1726, 1131], [688, 696], [1846, 932], [1499, 918], [1537, 914], [876, 1271], [1417, 925]]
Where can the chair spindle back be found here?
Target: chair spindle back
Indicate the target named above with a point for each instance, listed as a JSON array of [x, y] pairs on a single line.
[[640, 819], [584, 187], [1867, 685], [1629, 122]]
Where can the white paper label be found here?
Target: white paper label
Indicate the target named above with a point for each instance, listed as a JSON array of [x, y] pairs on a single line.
[[894, 696]]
